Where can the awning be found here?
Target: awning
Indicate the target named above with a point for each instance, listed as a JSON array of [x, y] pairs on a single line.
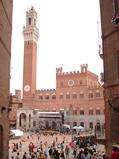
[[17, 132]]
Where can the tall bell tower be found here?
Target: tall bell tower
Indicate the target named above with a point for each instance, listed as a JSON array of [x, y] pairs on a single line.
[[31, 35]]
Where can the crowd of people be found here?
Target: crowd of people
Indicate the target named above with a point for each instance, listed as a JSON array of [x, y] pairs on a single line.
[[55, 146]]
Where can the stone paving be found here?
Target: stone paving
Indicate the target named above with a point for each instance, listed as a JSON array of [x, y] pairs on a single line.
[[34, 139]]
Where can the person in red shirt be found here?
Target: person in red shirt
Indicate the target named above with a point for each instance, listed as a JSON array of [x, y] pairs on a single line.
[[115, 152]]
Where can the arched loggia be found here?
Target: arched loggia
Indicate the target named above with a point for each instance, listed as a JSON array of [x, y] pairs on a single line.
[[22, 120]]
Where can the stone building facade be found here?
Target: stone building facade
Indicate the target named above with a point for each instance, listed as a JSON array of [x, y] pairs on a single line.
[[30, 119], [79, 93], [110, 38], [5, 56], [16, 103]]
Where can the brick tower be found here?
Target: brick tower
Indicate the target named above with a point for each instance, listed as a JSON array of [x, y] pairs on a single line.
[[31, 35], [110, 40]]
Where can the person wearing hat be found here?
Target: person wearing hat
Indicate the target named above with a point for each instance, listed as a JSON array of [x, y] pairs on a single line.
[[115, 152]]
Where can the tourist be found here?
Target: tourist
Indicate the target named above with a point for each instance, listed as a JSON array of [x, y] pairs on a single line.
[[24, 156], [17, 156], [86, 154], [115, 152], [79, 156], [75, 152], [62, 154], [50, 152], [67, 152]]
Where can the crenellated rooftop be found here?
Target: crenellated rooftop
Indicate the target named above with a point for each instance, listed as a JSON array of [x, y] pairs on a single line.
[[84, 69], [45, 90]]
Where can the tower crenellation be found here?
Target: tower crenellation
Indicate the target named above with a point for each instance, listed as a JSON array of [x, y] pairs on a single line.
[[31, 32], [84, 68], [59, 70]]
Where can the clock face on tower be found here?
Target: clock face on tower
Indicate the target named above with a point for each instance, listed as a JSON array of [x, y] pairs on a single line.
[[70, 83], [27, 88]]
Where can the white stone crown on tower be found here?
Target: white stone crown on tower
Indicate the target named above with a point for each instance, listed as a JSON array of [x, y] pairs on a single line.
[[30, 31]]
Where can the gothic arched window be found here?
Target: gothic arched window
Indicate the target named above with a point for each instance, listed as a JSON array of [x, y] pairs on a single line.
[[29, 21]]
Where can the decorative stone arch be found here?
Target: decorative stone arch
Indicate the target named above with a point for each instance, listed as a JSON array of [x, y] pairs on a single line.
[[23, 120], [82, 123], [54, 125], [59, 124], [29, 120], [41, 124], [47, 125], [98, 125], [91, 122], [1, 140]]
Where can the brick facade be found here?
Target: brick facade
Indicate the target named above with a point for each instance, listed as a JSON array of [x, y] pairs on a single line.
[[110, 38], [5, 56], [77, 91]]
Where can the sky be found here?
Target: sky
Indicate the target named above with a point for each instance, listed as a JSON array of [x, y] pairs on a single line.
[[68, 38]]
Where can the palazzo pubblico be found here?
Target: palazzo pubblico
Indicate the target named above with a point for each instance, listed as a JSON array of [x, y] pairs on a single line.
[[77, 100]]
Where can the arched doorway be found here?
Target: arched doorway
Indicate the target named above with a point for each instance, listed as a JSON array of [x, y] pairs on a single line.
[[54, 125], [29, 120], [1, 140], [22, 120], [98, 127], [41, 124], [91, 125], [82, 124], [46, 124]]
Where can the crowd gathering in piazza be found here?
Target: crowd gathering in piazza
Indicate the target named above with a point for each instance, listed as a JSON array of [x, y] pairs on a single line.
[[55, 146]]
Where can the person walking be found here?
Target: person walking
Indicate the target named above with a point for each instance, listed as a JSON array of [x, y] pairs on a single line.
[[67, 152], [62, 154], [17, 156], [24, 156], [86, 154]]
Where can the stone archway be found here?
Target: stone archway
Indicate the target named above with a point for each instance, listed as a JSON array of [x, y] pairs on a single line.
[[98, 126], [29, 120], [46, 124], [41, 124], [23, 120], [54, 125], [1, 140]]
